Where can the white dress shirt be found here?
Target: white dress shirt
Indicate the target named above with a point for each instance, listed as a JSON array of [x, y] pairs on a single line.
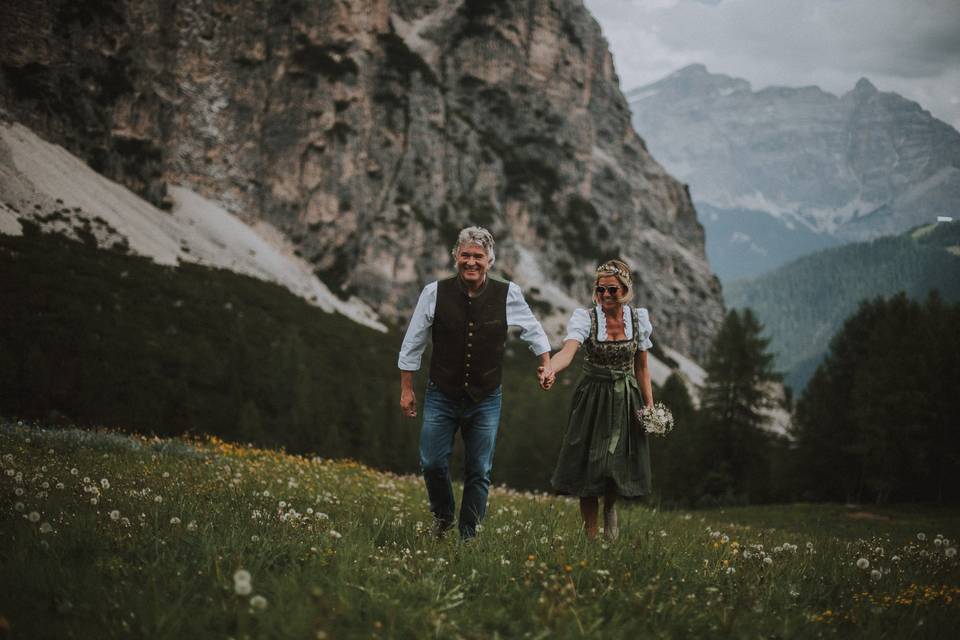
[[518, 315], [579, 326]]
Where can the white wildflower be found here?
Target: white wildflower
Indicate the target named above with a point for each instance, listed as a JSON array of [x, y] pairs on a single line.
[[174, 520], [192, 525], [105, 483], [768, 560], [335, 534]]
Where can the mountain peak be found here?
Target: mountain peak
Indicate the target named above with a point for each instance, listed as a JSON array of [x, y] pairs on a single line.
[[695, 69], [864, 87]]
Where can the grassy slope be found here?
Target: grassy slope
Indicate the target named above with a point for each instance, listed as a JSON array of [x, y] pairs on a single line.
[[92, 337], [367, 567]]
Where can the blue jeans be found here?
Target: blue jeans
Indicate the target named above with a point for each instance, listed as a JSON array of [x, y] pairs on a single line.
[[478, 422]]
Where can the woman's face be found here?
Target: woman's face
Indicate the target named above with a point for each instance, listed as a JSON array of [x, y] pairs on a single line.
[[609, 298]]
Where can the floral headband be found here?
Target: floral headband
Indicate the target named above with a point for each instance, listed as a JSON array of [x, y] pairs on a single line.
[[612, 270]]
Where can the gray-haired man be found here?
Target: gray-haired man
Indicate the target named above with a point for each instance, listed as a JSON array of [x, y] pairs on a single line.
[[468, 314]]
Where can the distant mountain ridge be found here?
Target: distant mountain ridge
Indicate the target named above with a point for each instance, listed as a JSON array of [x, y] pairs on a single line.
[[828, 168], [804, 303]]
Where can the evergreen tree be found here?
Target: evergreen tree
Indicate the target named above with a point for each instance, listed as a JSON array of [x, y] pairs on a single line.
[[739, 367], [674, 459], [877, 421]]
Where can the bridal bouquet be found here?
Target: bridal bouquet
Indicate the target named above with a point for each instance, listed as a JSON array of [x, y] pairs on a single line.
[[656, 420]]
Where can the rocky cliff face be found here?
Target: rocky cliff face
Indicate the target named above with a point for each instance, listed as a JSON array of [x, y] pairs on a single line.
[[370, 131], [853, 167]]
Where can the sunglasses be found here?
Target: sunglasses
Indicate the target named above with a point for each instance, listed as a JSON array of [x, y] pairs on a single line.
[[612, 290]]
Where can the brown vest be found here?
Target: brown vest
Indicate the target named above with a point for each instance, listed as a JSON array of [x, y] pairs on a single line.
[[469, 335]]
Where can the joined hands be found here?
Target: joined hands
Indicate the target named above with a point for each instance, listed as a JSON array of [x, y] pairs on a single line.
[[546, 376]]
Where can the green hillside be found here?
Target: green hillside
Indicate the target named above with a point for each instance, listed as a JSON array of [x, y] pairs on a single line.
[[93, 337], [107, 536], [804, 303]]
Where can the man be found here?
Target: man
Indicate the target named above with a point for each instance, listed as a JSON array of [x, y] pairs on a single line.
[[469, 314]]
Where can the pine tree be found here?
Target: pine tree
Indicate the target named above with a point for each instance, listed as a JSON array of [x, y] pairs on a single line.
[[739, 367]]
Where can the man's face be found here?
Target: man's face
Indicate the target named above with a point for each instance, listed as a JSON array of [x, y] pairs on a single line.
[[472, 264]]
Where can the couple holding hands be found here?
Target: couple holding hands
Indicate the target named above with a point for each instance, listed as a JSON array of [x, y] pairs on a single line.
[[604, 451]]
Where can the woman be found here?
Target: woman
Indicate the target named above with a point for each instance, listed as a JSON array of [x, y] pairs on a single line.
[[605, 450]]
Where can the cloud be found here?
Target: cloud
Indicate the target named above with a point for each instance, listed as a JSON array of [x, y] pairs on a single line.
[[912, 47]]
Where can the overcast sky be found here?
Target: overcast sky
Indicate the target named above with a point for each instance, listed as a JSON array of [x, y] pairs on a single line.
[[911, 47]]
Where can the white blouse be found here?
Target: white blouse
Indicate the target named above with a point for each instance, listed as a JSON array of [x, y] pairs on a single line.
[[579, 326]]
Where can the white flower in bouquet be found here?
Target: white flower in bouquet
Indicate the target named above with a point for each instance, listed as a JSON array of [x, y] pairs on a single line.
[[656, 419]]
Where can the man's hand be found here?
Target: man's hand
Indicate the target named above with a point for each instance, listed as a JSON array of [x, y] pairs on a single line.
[[408, 403], [408, 399]]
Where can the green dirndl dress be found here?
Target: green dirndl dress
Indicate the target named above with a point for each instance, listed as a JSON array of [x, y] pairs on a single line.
[[604, 442]]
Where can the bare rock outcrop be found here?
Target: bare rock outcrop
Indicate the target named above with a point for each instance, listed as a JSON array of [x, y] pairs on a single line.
[[369, 131]]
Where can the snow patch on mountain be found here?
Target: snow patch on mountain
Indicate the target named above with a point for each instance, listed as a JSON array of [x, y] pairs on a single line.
[[45, 184]]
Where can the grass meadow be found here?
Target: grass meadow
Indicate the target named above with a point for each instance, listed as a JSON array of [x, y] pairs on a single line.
[[105, 535]]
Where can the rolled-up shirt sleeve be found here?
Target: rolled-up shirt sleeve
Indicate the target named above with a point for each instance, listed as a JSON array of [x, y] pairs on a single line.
[[519, 315], [415, 340]]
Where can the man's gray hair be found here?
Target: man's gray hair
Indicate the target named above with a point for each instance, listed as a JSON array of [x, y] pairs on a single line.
[[478, 236]]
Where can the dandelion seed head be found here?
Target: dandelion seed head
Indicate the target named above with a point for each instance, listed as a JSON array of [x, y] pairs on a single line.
[[258, 602], [863, 563], [46, 527], [921, 536], [34, 516], [950, 552], [114, 515]]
